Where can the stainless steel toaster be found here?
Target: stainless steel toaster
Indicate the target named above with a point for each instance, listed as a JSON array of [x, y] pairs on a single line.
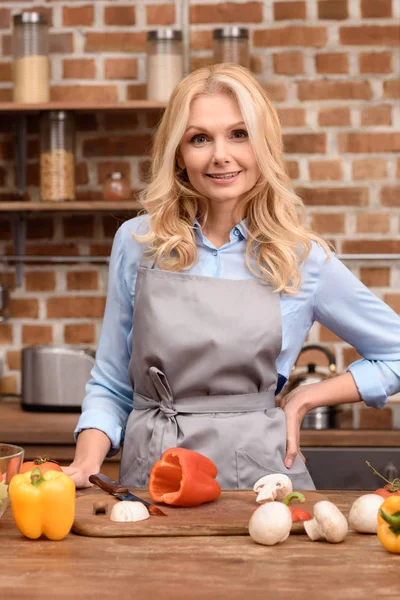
[[54, 377]]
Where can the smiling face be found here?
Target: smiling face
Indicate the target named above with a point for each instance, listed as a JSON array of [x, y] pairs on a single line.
[[216, 152]]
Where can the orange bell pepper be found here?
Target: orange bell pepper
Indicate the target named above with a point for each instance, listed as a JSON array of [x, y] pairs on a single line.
[[183, 478], [43, 503], [389, 524]]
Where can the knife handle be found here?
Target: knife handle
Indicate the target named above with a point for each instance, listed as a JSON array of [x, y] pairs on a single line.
[[114, 490]]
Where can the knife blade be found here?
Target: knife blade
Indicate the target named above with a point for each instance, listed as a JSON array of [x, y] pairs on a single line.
[[112, 487]]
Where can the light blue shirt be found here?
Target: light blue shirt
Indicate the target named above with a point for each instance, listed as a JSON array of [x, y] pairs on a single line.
[[329, 294]]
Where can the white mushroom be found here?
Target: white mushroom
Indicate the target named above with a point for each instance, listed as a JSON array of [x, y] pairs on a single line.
[[328, 523], [363, 515], [128, 512], [270, 523], [272, 487]]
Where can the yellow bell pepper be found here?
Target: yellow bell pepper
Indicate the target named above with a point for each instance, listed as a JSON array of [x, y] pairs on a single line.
[[389, 524], [43, 503]]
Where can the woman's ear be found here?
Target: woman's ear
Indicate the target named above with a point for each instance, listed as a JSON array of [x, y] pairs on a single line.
[[179, 161]]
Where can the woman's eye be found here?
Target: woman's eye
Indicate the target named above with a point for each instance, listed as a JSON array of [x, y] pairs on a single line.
[[240, 134], [198, 139]]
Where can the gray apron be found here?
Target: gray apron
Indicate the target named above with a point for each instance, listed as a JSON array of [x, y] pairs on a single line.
[[203, 370]]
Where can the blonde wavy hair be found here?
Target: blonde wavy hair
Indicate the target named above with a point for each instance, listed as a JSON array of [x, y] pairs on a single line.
[[277, 240]]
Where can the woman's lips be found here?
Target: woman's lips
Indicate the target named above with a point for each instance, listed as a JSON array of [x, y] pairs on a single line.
[[224, 180]]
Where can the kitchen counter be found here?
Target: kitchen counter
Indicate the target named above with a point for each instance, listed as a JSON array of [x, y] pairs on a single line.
[[198, 568]]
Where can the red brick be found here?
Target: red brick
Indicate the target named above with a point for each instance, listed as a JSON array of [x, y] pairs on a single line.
[[21, 308], [6, 95], [201, 40], [89, 196], [13, 358], [370, 35], [292, 117], [334, 196], [325, 169], [78, 226], [256, 64], [304, 143], [8, 385], [393, 300], [226, 12], [376, 62], [136, 92], [291, 36], [5, 18], [398, 169], [369, 168], [79, 333], [333, 9], [79, 68], [111, 223], [3, 175], [87, 121], [292, 168], [376, 115], [104, 169], [118, 145], [289, 11], [81, 174], [331, 117], [82, 307], [5, 229], [73, 16], [6, 334], [49, 249], [288, 63], [120, 15], [371, 246], [369, 142], [390, 195], [82, 280], [160, 14], [373, 223], [144, 170], [120, 121], [61, 43], [37, 334], [121, 68], [327, 223], [71, 93], [325, 335], [391, 88], [40, 281], [100, 249], [276, 90], [334, 90], [332, 63], [371, 9], [375, 276], [116, 42], [5, 71], [40, 228]]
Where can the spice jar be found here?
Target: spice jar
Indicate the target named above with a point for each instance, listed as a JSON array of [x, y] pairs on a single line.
[[231, 44], [164, 63], [116, 187], [57, 158], [31, 67]]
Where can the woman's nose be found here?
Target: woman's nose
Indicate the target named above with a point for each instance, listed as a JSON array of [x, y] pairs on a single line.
[[221, 153]]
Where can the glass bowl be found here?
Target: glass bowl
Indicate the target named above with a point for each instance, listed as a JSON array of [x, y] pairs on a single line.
[[11, 458]]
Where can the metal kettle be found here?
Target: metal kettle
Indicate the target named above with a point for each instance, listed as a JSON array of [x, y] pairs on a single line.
[[322, 417]]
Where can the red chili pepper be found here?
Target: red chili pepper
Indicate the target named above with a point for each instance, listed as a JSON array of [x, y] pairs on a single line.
[[183, 478], [298, 514]]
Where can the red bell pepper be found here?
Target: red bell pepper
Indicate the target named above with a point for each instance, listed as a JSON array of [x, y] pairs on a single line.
[[183, 478], [298, 514]]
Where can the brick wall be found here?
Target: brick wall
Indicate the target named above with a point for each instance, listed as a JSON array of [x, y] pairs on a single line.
[[330, 66]]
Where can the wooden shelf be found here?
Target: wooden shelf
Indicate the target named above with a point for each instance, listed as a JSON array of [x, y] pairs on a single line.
[[125, 205], [82, 106]]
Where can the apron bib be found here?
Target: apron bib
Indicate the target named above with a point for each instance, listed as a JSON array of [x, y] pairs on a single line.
[[203, 371]]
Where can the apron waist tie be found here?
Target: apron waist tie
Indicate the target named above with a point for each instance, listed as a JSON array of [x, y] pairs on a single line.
[[240, 403]]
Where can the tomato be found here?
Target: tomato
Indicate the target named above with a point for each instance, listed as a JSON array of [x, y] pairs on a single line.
[[385, 493], [43, 463]]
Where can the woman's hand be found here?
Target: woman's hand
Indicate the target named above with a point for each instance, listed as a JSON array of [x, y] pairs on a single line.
[[295, 408], [80, 474]]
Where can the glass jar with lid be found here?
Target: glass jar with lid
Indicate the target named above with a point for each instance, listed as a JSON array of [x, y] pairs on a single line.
[[164, 63], [57, 156], [31, 68], [231, 44], [116, 187]]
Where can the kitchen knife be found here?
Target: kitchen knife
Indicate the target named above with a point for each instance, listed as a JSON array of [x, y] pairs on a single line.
[[113, 488]]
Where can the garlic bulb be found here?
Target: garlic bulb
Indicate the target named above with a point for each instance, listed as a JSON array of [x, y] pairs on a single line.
[[128, 512]]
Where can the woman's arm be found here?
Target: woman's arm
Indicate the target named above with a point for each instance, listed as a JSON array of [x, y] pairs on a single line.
[[92, 447]]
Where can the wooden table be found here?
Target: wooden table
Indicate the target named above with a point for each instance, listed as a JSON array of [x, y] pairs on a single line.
[[198, 568]]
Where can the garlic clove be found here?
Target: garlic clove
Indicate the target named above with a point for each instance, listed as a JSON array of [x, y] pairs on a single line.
[[129, 512]]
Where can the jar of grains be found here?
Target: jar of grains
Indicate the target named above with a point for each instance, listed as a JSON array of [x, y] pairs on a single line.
[[31, 68], [57, 156], [231, 44], [164, 63]]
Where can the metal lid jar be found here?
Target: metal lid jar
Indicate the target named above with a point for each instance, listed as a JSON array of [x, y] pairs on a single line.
[[231, 44], [31, 68], [57, 156], [164, 63]]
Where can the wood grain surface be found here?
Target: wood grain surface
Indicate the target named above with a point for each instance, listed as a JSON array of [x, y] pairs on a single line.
[[229, 515], [196, 568]]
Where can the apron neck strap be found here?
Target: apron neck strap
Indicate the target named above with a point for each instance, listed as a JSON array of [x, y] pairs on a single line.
[[147, 261]]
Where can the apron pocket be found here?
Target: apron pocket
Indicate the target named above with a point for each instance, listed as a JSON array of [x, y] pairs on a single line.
[[136, 474]]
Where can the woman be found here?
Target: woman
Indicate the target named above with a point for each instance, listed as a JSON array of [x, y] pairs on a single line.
[[211, 295]]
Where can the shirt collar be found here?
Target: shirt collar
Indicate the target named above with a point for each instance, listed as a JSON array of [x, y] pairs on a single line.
[[242, 226]]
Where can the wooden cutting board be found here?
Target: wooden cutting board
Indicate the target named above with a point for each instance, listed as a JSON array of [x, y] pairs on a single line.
[[229, 515]]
